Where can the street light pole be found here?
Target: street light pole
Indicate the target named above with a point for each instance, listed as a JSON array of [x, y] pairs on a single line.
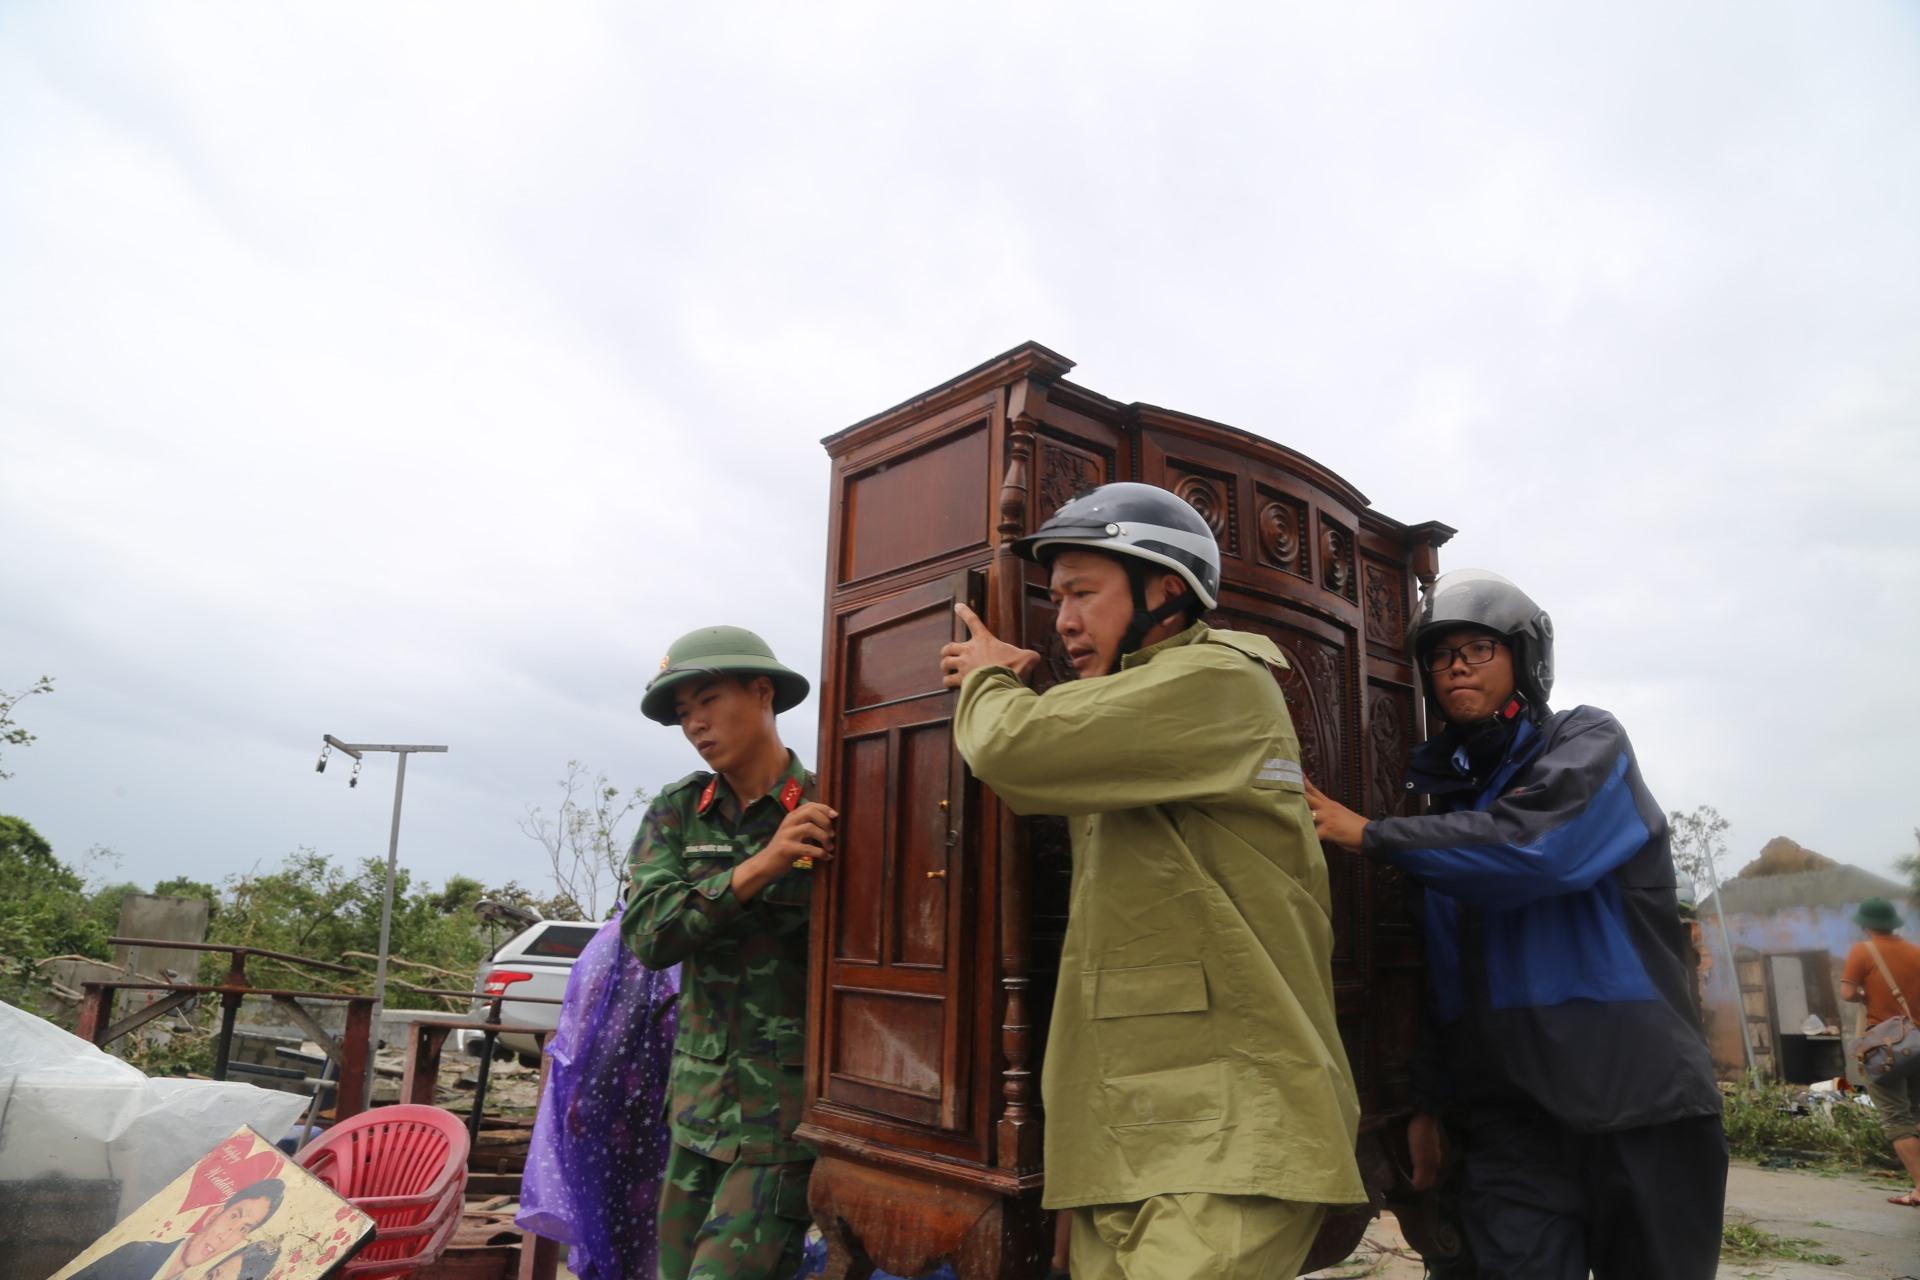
[[1733, 970], [356, 749]]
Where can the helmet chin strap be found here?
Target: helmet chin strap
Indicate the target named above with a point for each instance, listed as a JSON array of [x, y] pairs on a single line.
[[1145, 619], [1515, 707]]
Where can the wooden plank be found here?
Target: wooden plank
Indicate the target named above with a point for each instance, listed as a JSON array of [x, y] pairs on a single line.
[[231, 950], [141, 1017], [321, 1036]]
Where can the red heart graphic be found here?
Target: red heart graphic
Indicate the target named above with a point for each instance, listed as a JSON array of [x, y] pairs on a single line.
[[226, 1169]]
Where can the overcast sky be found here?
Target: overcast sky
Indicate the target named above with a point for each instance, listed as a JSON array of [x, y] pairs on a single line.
[[417, 372]]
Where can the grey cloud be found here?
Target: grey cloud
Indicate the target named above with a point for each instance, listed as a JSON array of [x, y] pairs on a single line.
[[414, 377]]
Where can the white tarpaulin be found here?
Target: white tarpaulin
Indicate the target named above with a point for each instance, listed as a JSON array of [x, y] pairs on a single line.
[[71, 1110]]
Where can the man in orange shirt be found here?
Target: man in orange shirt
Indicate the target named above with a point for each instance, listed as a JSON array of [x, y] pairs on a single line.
[[1865, 981]]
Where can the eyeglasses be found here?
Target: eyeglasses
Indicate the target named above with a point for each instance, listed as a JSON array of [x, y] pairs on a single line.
[[1475, 653]]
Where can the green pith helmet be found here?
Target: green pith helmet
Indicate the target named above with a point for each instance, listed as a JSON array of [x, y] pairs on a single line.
[[1877, 913], [713, 651]]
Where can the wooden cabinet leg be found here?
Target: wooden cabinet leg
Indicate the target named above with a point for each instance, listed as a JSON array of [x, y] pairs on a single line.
[[846, 1260], [539, 1257]]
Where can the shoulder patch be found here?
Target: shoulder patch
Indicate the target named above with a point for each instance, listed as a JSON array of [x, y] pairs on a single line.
[[1257, 647], [698, 778], [1280, 773]]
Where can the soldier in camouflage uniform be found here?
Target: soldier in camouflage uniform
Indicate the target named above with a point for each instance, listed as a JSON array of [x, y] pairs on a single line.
[[720, 885]]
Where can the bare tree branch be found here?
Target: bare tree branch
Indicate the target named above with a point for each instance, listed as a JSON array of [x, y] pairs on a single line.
[[1699, 844], [11, 734], [582, 838]]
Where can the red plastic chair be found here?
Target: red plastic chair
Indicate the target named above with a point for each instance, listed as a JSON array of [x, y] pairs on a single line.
[[410, 1255], [406, 1168]]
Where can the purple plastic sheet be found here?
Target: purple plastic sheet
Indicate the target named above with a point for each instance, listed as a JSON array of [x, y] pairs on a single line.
[[600, 1139]]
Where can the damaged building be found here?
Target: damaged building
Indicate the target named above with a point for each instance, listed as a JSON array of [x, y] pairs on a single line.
[[1789, 919]]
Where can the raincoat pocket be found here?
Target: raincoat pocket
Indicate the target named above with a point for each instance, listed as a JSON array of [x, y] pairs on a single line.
[[1182, 1095], [1147, 989], [1148, 1020]]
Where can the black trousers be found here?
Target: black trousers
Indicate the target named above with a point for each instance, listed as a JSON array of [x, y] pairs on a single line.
[[1541, 1202]]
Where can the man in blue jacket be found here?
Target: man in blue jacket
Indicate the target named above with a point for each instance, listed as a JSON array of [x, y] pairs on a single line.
[[1562, 1037]]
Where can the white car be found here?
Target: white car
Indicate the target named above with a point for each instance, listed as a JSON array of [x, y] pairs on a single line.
[[534, 962]]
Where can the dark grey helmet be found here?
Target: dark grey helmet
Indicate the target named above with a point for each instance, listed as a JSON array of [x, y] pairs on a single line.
[[1138, 521], [1479, 598]]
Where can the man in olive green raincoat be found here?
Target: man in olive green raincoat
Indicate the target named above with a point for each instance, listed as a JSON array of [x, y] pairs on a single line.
[[1200, 1112], [720, 886]]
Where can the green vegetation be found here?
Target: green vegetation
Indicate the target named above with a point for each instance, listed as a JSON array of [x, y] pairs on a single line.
[[312, 906], [1744, 1242], [1762, 1123], [44, 911], [309, 905], [11, 734]]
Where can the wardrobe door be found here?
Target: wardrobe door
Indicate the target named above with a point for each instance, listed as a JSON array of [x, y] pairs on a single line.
[[897, 1002]]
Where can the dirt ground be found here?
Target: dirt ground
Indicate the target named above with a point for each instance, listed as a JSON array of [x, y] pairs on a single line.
[[512, 1089], [1841, 1214]]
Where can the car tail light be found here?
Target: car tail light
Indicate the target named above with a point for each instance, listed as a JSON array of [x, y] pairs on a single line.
[[500, 979]]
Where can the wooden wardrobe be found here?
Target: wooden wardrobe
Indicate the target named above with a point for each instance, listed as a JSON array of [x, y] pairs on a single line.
[[937, 929]]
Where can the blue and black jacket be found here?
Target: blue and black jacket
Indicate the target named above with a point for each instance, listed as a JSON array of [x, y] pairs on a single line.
[[1558, 967]]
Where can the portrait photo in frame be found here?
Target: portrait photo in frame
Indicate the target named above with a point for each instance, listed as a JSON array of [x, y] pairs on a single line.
[[244, 1211]]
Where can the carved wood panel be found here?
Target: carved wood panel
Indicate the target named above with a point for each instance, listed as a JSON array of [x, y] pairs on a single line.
[[1384, 588], [1337, 573], [896, 1003], [1214, 495], [1390, 733], [1280, 532], [1064, 471]]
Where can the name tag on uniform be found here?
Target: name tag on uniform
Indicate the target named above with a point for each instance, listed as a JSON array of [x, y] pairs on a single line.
[[1279, 772], [708, 848]]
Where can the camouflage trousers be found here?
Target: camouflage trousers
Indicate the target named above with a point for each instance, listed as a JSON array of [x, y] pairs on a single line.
[[721, 1221]]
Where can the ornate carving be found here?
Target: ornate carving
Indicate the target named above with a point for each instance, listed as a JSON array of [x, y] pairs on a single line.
[[1324, 668], [1388, 734], [1017, 1134], [1065, 474], [1312, 686], [1336, 560], [1281, 531], [1386, 606], [1213, 499], [1390, 730]]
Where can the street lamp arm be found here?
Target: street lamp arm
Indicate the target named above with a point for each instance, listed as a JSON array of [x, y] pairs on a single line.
[[403, 750], [355, 748]]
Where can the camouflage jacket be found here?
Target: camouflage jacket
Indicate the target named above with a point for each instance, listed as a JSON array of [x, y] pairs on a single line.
[[734, 1092]]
